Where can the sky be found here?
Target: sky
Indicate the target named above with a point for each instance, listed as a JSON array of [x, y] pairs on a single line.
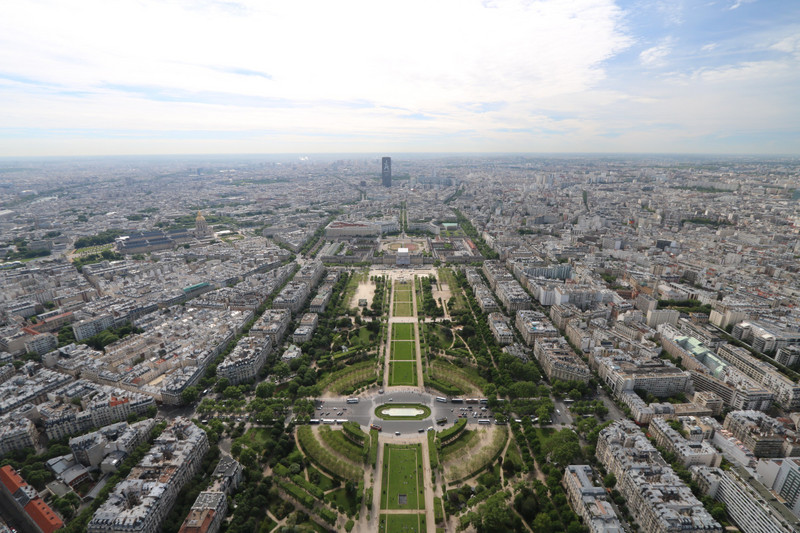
[[100, 77]]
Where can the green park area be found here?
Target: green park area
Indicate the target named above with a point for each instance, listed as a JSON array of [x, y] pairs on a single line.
[[403, 309], [403, 373], [402, 477], [403, 300], [402, 523], [402, 332], [403, 350]]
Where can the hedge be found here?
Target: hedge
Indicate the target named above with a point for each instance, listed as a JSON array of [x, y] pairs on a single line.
[[328, 515], [310, 487], [323, 458], [450, 434], [353, 431], [341, 445], [438, 385], [281, 470], [438, 510], [373, 448], [434, 455], [299, 494]]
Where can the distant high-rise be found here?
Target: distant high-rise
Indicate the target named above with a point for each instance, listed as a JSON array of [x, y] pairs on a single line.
[[386, 171]]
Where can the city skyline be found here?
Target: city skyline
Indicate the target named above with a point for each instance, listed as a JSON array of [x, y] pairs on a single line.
[[586, 76]]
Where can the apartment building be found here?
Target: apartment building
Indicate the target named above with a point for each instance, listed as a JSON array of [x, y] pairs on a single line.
[[749, 504], [658, 500], [245, 360], [689, 453], [141, 502], [759, 433], [293, 296], [559, 361], [590, 501], [498, 324], [533, 324]]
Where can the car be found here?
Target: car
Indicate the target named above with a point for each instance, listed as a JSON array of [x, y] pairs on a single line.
[[390, 399], [397, 433], [430, 428], [380, 391], [421, 430]]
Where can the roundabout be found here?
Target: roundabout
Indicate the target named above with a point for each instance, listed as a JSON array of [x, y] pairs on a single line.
[[403, 411]]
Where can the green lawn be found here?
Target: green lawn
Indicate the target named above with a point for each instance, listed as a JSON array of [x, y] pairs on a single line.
[[403, 350], [402, 523], [363, 335], [403, 373], [340, 498], [402, 332], [402, 476], [255, 438], [319, 479], [403, 309]]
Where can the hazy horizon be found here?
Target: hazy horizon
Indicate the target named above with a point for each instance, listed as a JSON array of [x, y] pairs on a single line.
[[456, 77]]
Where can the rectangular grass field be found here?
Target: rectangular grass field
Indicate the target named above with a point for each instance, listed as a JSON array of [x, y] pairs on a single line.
[[403, 373], [402, 523], [403, 332], [403, 350], [402, 477], [403, 309]]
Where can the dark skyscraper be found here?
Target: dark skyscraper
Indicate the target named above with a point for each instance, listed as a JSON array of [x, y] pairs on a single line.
[[386, 171]]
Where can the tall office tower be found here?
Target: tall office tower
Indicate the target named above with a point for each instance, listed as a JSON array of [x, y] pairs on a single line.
[[386, 171]]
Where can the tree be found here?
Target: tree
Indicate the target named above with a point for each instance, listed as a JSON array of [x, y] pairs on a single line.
[[563, 447], [189, 394], [248, 458], [281, 370], [610, 481], [222, 384], [232, 392], [544, 415], [265, 390], [542, 523], [493, 515]]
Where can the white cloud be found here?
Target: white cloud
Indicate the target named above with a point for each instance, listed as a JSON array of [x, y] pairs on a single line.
[[709, 47], [656, 56], [418, 55], [790, 45], [739, 3]]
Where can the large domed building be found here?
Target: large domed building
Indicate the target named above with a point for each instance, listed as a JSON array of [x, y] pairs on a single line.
[[201, 228]]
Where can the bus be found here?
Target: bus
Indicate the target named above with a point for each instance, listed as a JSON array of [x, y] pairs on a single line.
[[484, 421], [314, 421], [441, 421], [484, 400], [457, 400], [330, 421], [441, 399], [352, 400], [472, 400]]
